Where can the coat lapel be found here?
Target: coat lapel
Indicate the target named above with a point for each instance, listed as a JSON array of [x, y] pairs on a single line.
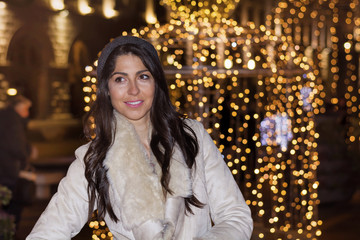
[[135, 189]]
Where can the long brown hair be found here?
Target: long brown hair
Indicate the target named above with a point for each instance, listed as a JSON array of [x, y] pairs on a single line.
[[169, 128]]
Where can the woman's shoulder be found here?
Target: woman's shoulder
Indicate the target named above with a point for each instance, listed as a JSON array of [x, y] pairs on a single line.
[[81, 151], [79, 157], [195, 125]]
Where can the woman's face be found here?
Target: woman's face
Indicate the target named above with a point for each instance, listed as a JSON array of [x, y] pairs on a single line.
[[131, 89]]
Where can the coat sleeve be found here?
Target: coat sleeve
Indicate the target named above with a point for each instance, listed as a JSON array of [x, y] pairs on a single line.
[[229, 212], [67, 211]]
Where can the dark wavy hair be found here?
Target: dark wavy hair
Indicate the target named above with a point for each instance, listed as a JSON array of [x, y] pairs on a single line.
[[169, 128]]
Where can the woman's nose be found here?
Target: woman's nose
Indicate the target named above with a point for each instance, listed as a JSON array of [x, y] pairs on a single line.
[[133, 88]]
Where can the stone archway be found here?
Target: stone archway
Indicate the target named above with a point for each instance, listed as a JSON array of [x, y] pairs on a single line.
[[29, 54]]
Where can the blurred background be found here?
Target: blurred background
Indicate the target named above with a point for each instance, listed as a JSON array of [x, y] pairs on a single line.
[[275, 83]]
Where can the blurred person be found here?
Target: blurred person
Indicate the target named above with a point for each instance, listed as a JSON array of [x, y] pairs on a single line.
[[150, 172], [15, 149]]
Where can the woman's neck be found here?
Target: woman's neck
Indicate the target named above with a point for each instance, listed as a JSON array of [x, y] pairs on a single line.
[[142, 128], [143, 132]]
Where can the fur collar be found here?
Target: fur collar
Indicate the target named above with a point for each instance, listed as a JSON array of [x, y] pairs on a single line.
[[135, 190]]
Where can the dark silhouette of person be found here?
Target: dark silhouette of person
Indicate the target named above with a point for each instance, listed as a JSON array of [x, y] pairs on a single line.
[[15, 149]]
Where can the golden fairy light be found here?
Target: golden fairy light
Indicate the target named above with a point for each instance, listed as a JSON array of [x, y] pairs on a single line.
[[11, 91], [108, 8], [84, 8]]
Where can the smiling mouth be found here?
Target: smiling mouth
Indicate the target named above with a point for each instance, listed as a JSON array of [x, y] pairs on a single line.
[[134, 103]]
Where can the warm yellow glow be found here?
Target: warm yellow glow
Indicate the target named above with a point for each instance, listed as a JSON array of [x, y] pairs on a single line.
[[2, 5], [88, 68], [170, 60], [251, 64], [84, 8], [108, 9], [228, 64], [57, 4], [150, 15], [11, 92], [347, 45]]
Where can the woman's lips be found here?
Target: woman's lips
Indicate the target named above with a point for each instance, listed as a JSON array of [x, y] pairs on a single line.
[[134, 103]]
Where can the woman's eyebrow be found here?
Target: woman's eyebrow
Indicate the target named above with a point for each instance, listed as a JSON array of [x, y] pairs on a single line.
[[126, 74], [121, 73], [141, 71]]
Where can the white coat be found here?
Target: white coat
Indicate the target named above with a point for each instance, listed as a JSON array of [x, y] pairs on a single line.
[[138, 200]]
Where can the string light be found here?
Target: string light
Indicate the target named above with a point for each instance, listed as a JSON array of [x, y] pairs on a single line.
[[57, 4], [11, 92], [84, 8]]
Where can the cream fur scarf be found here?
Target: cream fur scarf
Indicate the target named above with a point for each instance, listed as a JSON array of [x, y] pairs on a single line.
[[136, 193]]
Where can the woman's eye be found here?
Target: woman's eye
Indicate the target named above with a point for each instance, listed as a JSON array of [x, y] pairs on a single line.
[[119, 79], [144, 76]]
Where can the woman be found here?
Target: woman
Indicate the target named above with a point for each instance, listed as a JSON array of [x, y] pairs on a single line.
[[150, 173]]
